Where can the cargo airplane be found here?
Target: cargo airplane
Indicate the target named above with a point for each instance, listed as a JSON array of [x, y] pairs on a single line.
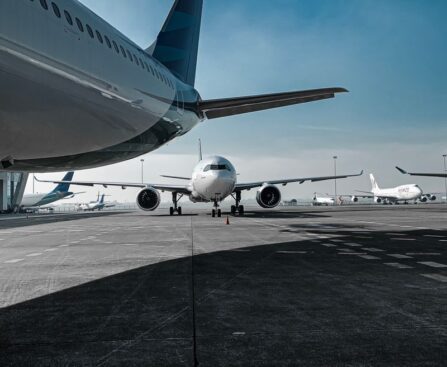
[[75, 93]]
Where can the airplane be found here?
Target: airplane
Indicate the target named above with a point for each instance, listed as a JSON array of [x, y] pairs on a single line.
[[32, 202], [404, 193], [422, 174], [213, 180], [322, 200], [98, 205], [76, 93]]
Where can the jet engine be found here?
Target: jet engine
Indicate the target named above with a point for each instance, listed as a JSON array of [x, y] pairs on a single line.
[[431, 197], [354, 199], [148, 199], [268, 196], [378, 200], [423, 199]]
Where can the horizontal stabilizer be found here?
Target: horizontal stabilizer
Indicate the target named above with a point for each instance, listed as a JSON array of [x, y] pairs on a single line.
[[234, 106]]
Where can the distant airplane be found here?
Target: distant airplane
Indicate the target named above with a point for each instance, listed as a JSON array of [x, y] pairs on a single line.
[[403, 193], [422, 174], [98, 205], [322, 200], [213, 180], [32, 202], [76, 93]]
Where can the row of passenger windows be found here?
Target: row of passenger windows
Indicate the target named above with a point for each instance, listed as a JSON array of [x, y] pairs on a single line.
[[119, 49]]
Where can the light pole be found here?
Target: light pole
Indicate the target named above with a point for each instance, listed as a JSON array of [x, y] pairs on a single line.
[[335, 180], [34, 180], [445, 178], [142, 170]]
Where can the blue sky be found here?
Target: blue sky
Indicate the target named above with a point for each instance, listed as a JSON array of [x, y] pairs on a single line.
[[391, 55]]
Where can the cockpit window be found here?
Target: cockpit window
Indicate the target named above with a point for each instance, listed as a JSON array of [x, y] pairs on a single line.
[[216, 167]]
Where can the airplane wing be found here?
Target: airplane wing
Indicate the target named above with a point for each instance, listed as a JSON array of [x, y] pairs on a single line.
[[182, 189], [216, 108], [421, 174], [284, 182]]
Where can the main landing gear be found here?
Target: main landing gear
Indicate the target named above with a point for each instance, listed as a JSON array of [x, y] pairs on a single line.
[[237, 208], [216, 210], [175, 208]]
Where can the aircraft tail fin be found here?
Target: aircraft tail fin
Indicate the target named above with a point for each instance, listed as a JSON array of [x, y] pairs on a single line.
[[64, 187], [102, 199], [374, 184], [177, 44]]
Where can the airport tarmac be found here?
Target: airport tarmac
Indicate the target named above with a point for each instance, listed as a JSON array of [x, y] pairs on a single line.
[[337, 286]]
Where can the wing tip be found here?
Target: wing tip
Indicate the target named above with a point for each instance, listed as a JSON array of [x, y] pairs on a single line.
[[401, 170]]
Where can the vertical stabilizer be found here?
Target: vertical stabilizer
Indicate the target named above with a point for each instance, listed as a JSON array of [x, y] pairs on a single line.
[[374, 184], [177, 43], [64, 187]]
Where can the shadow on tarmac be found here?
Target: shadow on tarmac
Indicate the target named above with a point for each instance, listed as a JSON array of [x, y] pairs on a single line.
[[281, 304]]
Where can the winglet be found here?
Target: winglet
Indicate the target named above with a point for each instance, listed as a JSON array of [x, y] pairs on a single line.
[[401, 170]]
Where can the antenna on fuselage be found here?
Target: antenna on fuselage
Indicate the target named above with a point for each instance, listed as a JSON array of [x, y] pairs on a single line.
[[200, 150]]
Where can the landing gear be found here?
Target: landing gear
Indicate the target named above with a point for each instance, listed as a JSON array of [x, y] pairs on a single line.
[[175, 208], [216, 210], [237, 208]]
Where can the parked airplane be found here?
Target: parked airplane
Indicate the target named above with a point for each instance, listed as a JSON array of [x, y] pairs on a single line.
[[322, 200], [32, 202], [422, 174], [213, 180], [98, 205], [76, 93], [403, 193]]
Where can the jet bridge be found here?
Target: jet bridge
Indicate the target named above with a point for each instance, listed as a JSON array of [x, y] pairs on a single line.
[[12, 188]]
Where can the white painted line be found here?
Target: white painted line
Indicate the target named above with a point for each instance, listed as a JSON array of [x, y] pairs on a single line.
[[50, 249], [352, 244], [291, 252], [34, 254], [439, 277], [369, 257], [423, 253], [400, 256], [432, 264], [372, 249], [399, 266], [328, 244], [13, 261]]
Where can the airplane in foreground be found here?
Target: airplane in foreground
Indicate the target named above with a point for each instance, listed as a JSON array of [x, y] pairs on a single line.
[[34, 202], [76, 93], [394, 195], [98, 205], [213, 180], [318, 200]]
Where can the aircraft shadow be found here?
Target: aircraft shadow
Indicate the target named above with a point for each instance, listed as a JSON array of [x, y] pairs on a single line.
[[293, 303]]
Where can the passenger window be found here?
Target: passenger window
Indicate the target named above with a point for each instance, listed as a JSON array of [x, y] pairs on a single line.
[[68, 17], [44, 4], [80, 26], [90, 31], [116, 47], [99, 37], [109, 45], [56, 10]]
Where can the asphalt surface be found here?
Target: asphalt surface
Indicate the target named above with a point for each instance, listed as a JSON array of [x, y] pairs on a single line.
[[355, 286]]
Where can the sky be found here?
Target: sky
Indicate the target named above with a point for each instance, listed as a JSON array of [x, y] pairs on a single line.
[[390, 55]]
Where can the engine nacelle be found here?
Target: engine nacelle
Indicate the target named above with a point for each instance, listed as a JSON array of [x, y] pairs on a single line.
[[148, 199], [423, 199], [378, 200], [354, 199], [432, 197], [268, 196]]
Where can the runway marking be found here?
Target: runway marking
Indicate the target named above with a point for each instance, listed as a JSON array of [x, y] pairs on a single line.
[[399, 266], [352, 244], [400, 256], [328, 244], [403, 239], [369, 257], [432, 264], [372, 249], [13, 261], [34, 254], [291, 252], [50, 249], [439, 277], [423, 253]]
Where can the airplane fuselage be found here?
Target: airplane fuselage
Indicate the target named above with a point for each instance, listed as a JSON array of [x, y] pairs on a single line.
[[36, 200], [399, 193], [61, 77]]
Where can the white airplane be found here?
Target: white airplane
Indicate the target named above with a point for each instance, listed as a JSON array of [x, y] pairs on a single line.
[[98, 205], [322, 200], [213, 180], [403, 193], [76, 93], [34, 202]]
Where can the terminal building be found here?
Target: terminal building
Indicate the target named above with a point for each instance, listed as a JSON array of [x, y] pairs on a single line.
[[12, 188]]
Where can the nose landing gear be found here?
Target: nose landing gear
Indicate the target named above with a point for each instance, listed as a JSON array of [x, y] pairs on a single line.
[[237, 208], [175, 208], [216, 210]]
